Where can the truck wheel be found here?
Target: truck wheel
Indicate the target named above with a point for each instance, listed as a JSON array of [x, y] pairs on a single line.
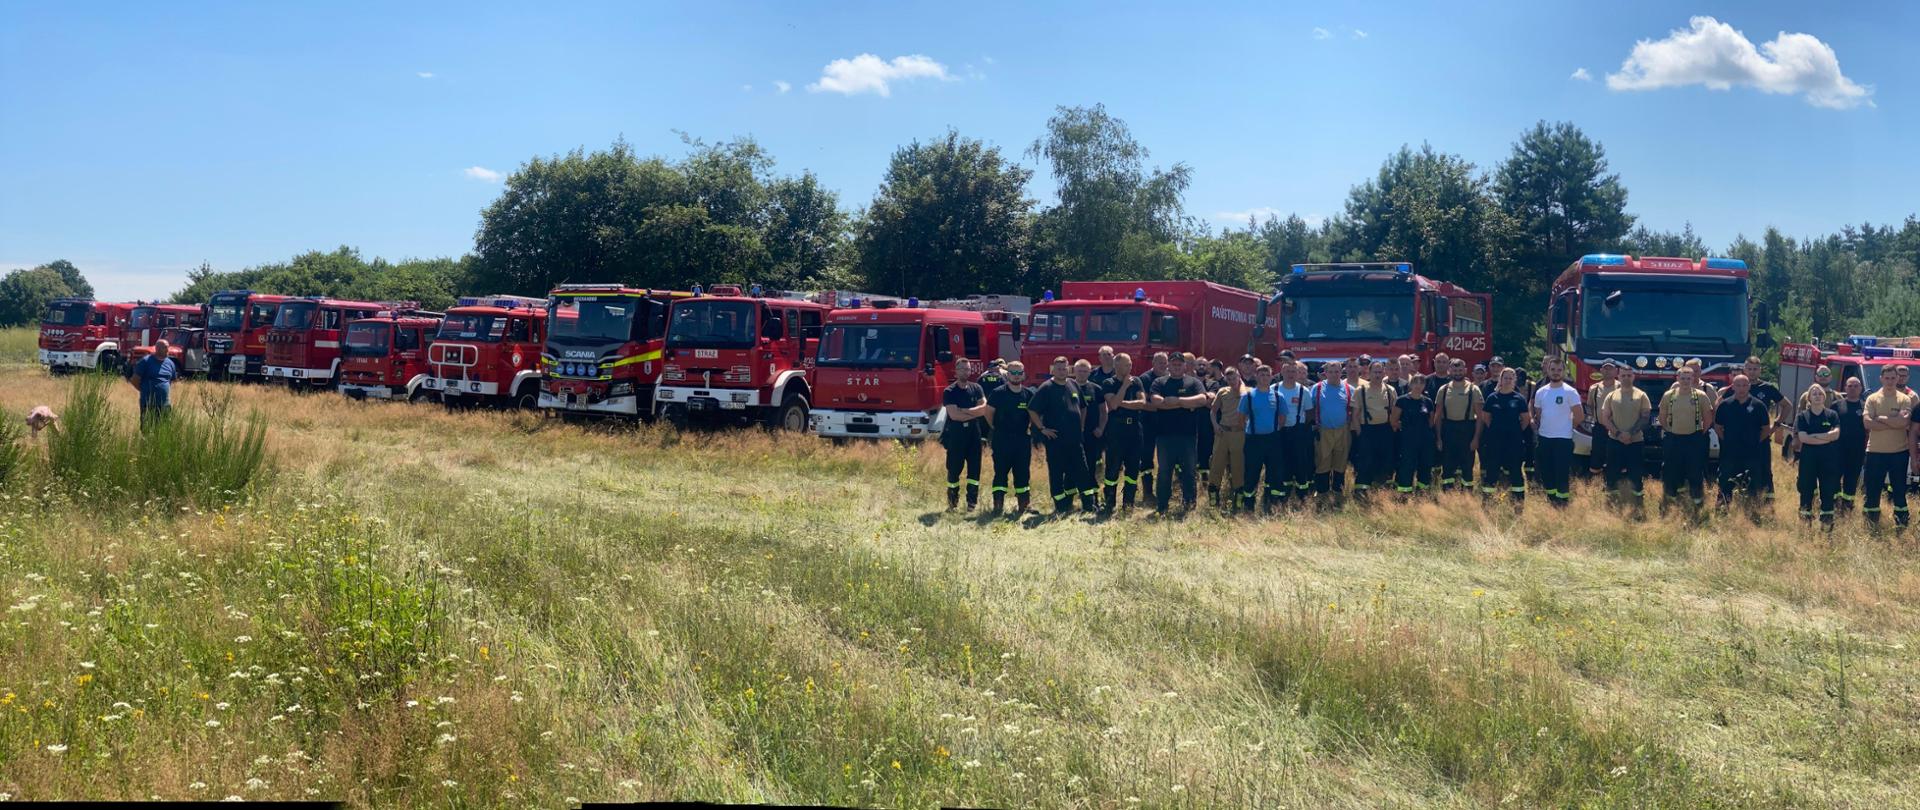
[[109, 362], [676, 415], [527, 398], [791, 416]]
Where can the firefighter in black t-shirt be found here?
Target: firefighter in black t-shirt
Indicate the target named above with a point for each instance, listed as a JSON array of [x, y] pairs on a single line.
[[1744, 424], [1012, 452], [966, 407], [1057, 416], [1780, 411], [1818, 430], [995, 375], [1126, 398], [1504, 418]]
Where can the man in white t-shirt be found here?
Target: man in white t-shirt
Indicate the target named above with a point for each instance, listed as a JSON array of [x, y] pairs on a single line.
[[1556, 409]]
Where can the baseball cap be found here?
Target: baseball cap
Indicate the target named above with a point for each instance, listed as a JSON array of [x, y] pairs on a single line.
[[1479, 366], [1496, 361], [1823, 371], [1609, 364]]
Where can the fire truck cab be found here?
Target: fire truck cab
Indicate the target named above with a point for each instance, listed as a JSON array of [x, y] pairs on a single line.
[[237, 325], [187, 345], [735, 355], [1863, 356], [488, 351], [303, 347], [1337, 311], [146, 322], [1143, 317], [82, 333], [385, 356], [604, 344], [881, 369]]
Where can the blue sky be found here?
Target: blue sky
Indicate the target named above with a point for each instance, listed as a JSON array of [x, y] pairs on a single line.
[[140, 139]]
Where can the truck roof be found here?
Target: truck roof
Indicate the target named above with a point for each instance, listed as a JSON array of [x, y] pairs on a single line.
[[251, 294], [785, 302], [905, 315], [618, 289], [489, 309], [1368, 271], [411, 319]]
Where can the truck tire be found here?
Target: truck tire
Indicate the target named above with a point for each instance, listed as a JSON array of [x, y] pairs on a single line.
[[676, 415], [109, 362], [791, 416], [527, 397]]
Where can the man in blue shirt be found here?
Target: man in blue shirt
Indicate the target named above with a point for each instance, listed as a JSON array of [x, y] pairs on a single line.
[[1334, 439], [154, 376], [1263, 408]]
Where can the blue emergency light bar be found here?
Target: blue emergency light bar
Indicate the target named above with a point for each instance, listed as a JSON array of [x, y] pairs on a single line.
[[1862, 341], [1726, 264], [913, 302], [1885, 352], [1603, 258], [1046, 296]]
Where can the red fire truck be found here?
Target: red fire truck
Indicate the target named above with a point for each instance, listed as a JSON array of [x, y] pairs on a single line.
[[303, 347], [743, 356], [237, 324], [145, 322], [187, 345], [1652, 314], [385, 356], [881, 368], [603, 350], [488, 351], [1337, 311], [82, 333], [1143, 317], [1863, 356]]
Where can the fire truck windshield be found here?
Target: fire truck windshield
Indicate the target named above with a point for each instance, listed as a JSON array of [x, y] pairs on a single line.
[[1349, 317], [70, 313], [484, 328], [712, 325], [1115, 325], [1659, 315], [585, 320], [295, 314], [870, 346], [1057, 325], [142, 318], [365, 340], [227, 313]]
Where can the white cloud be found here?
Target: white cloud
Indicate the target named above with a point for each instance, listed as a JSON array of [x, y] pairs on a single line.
[[1581, 74], [424, 75], [1359, 34], [482, 173], [781, 86], [867, 73], [1711, 53], [1322, 33], [746, 88], [987, 59]]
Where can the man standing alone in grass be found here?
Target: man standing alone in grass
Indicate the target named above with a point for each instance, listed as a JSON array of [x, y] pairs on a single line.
[[154, 376]]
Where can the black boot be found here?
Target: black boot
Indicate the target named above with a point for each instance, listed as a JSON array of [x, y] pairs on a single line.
[[1023, 504], [999, 502], [953, 498]]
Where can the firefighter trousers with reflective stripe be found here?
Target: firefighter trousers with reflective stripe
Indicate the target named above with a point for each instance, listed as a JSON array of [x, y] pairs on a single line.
[[1885, 471], [1741, 463], [1853, 457], [1265, 465], [1556, 468], [1819, 470], [1456, 453], [1684, 464], [1067, 470], [1416, 461], [964, 457], [1123, 462], [1012, 458], [1296, 457], [1602, 445], [1626, 462], [1374, 464], [1500, 465], [1229, 462], [1179, 454]]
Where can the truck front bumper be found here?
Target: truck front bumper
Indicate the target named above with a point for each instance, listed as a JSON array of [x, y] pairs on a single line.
[[875, 424], [451, 387], [626, 405], [296, 374], [53, 359], [356, 391], [707, 399]]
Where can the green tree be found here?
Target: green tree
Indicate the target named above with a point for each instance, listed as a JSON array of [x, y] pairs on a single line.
[[1643, 242], [71, 275], [25, 294], [1234, 258], [1556, 187], [1435, 211], [806, 234], [1291, 241], [1106, 193], [951, 218]]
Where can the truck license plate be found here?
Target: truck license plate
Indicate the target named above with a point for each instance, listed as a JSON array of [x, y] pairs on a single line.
[[706, 354]]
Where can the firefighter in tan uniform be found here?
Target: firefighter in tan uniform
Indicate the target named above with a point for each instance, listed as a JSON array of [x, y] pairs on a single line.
[[1596, 395], [1686, 414], [1457, 412], [1625, 414]]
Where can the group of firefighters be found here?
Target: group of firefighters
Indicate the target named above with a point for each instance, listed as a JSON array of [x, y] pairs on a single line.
[[1277, 436]]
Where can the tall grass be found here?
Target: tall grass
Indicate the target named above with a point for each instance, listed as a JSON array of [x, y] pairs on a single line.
[[204, 454], [20, 345]]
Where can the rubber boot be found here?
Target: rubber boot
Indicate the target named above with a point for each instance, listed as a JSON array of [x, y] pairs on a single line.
[[953, 498], [1023, 504], [999, 502]]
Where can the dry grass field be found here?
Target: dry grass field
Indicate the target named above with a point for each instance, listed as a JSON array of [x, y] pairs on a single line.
[[410, 607]]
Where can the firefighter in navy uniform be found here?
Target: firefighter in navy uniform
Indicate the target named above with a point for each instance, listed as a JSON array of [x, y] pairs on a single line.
[[1057, 417], [1413, 420], [1503, 421], [1012, 451], [1817, 432], [1780, 411], [1093, 407], [1126, 399], [1151, 420], [1850, 407], [966, 406], [1743, 424]]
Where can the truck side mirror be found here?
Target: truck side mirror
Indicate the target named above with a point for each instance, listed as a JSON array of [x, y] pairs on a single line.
[[1763, 341], [1558, 336], [772, 329]]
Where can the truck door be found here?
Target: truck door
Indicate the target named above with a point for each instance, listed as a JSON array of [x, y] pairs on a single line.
[[1468, 334], [970, 344], [809, 335]]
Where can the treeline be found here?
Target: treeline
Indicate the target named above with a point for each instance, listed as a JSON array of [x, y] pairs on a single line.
[[25, 293], [954, 215]]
